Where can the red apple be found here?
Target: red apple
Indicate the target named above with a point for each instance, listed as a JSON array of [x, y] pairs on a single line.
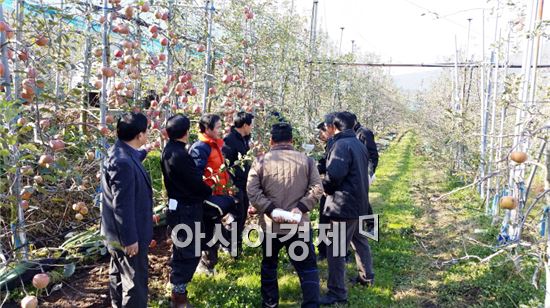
[[227, 78], [29, 301], [42, 41], [40, 281], [57, 145], [38, 179], [107, 72], [145, 7]]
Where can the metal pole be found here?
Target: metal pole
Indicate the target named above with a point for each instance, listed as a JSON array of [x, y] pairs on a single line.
[[87, 67], [310, 101], [493, 124], [482, 111], [547, 261], [20, 236], [493, 87], [169, 56], [468, 40], [208, 56], [337, 89], [456, 107], [137, 82], [58, 72], [105, 62], [517, 172], [4, 49], [498, 155]]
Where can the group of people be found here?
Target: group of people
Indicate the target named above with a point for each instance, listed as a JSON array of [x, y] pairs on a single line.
[[281, 186]]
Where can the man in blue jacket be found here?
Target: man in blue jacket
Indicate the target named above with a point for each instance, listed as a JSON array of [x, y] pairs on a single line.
[[126, 213]]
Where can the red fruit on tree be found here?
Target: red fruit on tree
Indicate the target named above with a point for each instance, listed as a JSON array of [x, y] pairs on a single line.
[[57, 145], [40, 281], [42, 41]]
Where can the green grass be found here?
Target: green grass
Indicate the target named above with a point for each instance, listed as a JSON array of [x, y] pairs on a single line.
[[237, 283], [405, 271]]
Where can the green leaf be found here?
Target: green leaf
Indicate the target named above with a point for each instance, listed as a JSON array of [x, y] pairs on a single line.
[[28, 147]]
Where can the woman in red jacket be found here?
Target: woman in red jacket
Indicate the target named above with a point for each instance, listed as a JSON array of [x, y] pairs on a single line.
[[207, 154]]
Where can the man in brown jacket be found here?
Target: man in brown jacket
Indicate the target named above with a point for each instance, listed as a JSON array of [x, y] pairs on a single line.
[[285, 179]]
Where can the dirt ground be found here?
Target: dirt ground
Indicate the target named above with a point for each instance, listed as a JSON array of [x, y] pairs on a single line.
[[88, 287]]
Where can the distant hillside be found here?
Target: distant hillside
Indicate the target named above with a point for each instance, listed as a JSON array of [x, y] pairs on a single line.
[[416, 81]]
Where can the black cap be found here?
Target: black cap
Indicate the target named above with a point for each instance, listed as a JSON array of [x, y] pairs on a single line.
[[329, 118]]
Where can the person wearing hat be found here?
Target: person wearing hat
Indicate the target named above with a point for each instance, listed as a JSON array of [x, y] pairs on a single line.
[[284, 180], [326, 132], [186, 192]]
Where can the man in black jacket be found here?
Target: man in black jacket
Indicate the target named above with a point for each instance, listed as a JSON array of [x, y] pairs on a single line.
[[126, 213], [366, 136], [235, 143], [326, 130], [186, 193], [346, 183]]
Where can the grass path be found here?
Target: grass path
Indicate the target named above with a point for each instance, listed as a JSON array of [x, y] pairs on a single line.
[[237, 283], [415, 236]]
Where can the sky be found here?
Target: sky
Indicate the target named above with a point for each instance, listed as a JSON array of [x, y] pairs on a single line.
[[408, 31]]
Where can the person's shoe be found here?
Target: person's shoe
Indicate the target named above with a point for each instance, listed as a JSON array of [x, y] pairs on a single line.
[[226, 250], [202, 269], [365, 283], [331, 300], [179, 300]]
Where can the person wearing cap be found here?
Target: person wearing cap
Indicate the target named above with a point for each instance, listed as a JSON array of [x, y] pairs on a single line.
[[186, 192], [285, 179], [237, 143], [326, 132]]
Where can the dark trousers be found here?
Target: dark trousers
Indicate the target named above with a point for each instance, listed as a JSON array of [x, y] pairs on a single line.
[[306, 269], [323, 219], [337, 263], [209, 255], [240, 212], [184, 259], [128, 278]]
